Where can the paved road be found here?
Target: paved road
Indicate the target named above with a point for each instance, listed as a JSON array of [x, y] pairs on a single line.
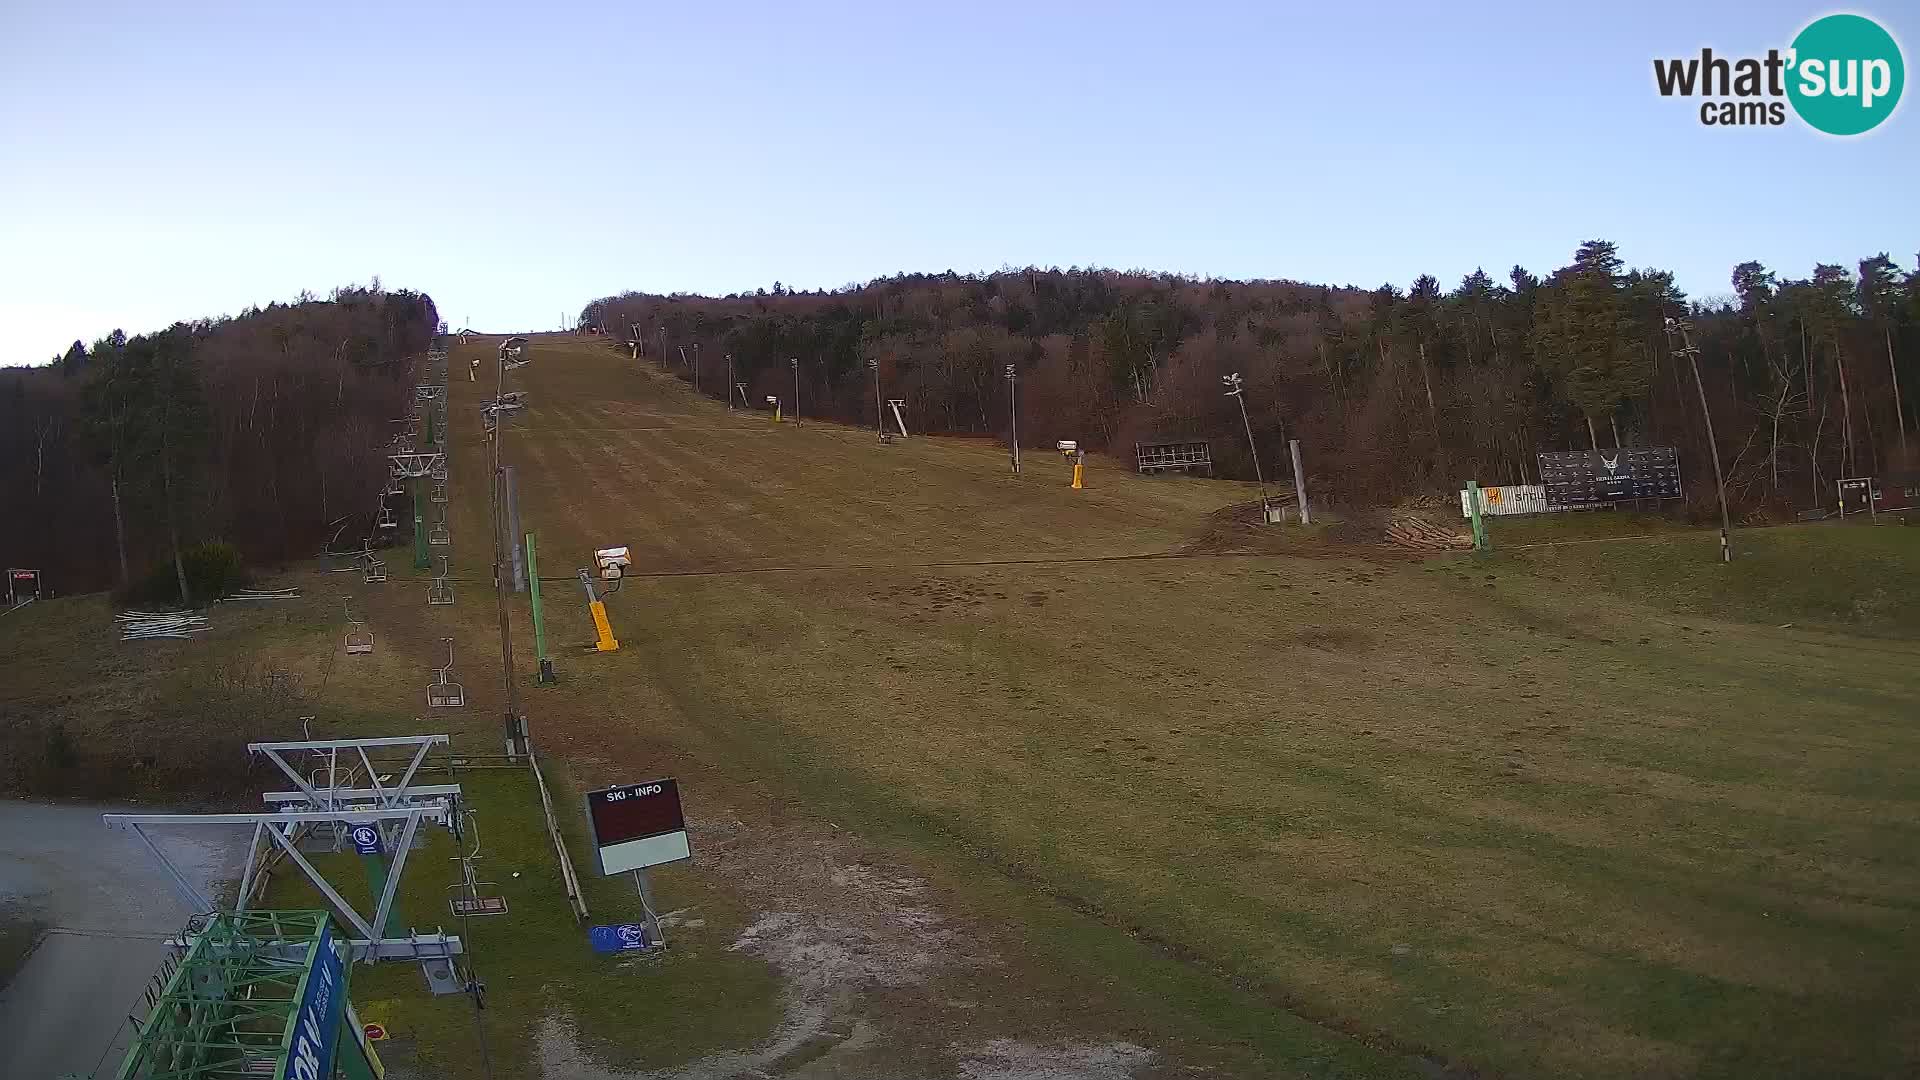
[[104, 910]]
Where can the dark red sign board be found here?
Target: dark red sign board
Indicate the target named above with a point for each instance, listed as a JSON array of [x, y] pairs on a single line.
[[635, 812]]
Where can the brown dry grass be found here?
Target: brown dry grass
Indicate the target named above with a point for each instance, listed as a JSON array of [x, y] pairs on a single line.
[[1473, 808], [1531, 829]]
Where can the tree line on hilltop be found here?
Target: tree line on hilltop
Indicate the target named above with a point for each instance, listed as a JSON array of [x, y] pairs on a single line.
[[261, 431], [1391, 392]]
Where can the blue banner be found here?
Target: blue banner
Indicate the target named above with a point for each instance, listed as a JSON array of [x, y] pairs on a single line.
[[316, 1023], [625, 937]]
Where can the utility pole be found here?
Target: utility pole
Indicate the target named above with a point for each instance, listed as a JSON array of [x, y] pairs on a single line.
[[1013, 419], [794, 363], [663, 348], [729, 382], [879, 419], [1299, 480], [696, 367], [1688, 349], [1238, 393]]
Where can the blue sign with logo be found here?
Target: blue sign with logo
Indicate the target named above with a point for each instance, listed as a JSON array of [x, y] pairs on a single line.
[[626, 937], [366, 840], [316, 1023]]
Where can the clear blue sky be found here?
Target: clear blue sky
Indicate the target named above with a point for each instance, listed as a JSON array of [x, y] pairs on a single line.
[[162, 161]]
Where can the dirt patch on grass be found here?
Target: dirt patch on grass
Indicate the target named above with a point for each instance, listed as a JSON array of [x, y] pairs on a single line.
[[1346, 533], [1007, 1059], [854, 941]]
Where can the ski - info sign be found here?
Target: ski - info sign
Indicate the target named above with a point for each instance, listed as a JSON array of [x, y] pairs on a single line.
[[637, 825]]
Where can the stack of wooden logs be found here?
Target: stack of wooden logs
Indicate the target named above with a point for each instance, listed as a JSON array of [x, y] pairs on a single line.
[[1419, 534]]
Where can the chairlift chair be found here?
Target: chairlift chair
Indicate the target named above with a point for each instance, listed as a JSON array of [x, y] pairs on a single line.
[[439, 468], [467, 890], [386, 518], [439, 493], [374, 570], [439, 535], [359, 639], [392, 488], [443, 692], [441, 591]]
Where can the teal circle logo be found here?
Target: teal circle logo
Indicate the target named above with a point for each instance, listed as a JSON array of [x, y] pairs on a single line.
[[1846, 74]]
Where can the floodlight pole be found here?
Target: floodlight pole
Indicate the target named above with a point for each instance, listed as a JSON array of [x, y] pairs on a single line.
[[879, 415], [1013, 419], [1237, 392], [794, 363], [1689, 350]]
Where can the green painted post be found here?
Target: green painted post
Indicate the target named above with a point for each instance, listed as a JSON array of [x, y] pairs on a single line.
[[350, 1053], [430, 438], [547, 677], [1480, 541], [419, 531], [377, 886]]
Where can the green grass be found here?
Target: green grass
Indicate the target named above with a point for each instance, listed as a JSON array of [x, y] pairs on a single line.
[[1850, 577], [536, 962], [1580, 811]]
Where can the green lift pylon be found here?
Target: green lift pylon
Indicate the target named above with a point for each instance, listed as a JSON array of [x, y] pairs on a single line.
[[546, 676], [260, 993], [419, 530]]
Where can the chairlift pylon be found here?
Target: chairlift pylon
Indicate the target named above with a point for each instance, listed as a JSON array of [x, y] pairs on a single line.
[[443, 692]]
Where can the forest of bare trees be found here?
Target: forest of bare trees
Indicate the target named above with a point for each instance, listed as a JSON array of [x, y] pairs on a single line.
[[1392, 392], [260, 430]]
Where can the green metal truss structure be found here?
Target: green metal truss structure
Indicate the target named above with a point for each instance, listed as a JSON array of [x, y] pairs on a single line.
[[228, 1008]]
